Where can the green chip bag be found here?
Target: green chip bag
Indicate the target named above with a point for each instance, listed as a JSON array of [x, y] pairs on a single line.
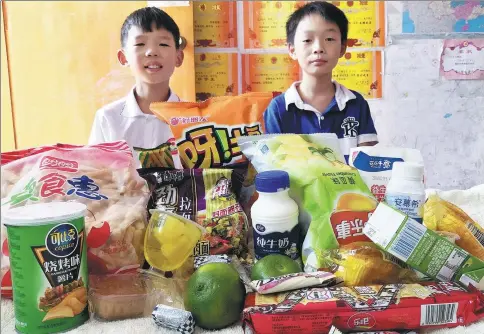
[[333, 200]]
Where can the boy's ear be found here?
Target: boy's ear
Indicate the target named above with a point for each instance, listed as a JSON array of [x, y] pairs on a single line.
[[122, 58], [292, 51], [180, 55], [343, 49]]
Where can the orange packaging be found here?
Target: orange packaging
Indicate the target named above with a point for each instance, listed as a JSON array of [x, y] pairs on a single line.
[[206, 132]]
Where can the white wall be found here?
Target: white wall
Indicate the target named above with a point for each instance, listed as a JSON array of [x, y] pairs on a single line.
[[444, 119]]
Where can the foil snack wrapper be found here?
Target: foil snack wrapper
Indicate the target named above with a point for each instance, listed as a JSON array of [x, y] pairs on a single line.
[[172, 318]]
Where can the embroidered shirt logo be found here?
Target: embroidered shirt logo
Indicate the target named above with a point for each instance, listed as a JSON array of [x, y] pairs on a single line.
[[349, 126]]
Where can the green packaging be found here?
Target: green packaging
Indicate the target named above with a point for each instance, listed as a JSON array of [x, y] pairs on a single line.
[[48, 259], [421, 248]]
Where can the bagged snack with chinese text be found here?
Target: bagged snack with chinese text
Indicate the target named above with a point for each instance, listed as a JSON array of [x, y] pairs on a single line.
[[101, 176], [294, 282], [205, 196], [375, 164], [333, 200], [378, 307], [165, 156], [443, 216], [206, 132]]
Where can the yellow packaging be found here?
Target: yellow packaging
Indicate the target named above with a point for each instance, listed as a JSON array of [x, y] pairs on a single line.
[[443, 216]]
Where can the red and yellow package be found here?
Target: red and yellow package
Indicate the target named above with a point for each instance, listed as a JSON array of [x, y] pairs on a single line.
[[376, 308], [206, 132]]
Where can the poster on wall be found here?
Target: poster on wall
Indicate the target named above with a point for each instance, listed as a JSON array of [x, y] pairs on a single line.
[[462, 59], [216, 74], [264, 23], [366, 22], [268, 72], [215, 24], [362, 72]]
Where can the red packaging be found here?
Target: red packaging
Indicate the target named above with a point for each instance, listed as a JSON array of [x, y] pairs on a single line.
[[375, 308]]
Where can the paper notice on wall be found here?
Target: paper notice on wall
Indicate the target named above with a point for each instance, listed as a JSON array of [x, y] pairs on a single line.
[[168, 3], [462, 59]]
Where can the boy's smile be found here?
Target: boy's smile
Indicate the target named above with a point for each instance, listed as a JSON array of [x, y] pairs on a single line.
[[317, 45]]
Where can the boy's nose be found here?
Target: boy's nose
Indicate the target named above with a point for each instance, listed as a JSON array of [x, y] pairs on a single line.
[[151, 53]]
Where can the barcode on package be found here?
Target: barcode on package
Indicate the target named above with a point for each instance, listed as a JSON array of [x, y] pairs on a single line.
[[407, 240], [476, 232], [438, 314]]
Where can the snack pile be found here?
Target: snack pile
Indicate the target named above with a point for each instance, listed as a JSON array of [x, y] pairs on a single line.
[[177, 244]]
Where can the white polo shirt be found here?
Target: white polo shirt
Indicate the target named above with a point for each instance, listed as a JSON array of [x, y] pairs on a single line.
[[124, 120]]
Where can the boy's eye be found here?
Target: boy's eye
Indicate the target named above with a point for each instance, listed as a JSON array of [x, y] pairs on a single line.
[[330, 39], [164, 44], [139, 44], [306, 41]]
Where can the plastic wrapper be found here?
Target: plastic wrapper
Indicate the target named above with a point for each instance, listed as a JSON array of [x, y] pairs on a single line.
[[206, 132], [361, 262], [205, 196], [335, 330], [203, 260], [101, 176], [293, 282], [334, 202], [375, 308], [132, 295], [172, 318], [165, 155], [443, 216]]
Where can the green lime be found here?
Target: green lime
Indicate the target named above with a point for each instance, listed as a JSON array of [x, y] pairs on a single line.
[[215, 296], [274, 265]]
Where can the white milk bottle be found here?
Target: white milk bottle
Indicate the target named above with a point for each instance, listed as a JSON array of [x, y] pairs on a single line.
[[275, 216], [406, 190]]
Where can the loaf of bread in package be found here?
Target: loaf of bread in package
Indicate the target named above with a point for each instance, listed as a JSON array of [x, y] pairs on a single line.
[[101, 176], [206, 132]]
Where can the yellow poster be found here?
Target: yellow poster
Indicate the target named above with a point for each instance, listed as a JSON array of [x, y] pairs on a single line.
[[265, 21], [366, 22], [268, 72], [362, 72], [215, 24], [216, 75]]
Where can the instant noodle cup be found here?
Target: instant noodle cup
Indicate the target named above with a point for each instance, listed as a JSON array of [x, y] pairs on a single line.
[[170, 239], [48, 259]]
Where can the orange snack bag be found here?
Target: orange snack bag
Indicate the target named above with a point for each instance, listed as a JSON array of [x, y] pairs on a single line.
[[206, 132]]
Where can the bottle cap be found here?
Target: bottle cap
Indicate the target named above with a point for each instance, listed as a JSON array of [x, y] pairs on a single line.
[[407, 171], [272, 181]]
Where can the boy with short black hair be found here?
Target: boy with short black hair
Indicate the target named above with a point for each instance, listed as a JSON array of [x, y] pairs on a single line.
[[150, 46], [316, 36]]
